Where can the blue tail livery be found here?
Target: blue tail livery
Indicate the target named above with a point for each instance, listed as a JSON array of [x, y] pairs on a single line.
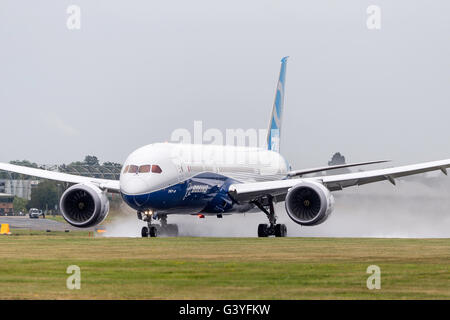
[[274, 131]]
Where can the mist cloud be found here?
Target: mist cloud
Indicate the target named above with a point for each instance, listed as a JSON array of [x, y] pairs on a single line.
[[418, 207]]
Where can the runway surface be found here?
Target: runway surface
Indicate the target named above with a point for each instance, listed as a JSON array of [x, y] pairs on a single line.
[[38, 224]]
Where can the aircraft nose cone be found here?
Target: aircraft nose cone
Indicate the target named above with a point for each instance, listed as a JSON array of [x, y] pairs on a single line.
[[134, 186]]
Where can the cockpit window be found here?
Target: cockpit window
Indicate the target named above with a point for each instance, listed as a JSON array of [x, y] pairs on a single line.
[[156, 169], [133, 169], [144, 169]]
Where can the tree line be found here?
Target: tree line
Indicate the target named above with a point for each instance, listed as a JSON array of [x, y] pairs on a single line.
[[46, 194]]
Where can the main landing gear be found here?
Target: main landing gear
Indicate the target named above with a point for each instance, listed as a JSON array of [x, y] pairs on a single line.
[[271, 229], [155, 230]]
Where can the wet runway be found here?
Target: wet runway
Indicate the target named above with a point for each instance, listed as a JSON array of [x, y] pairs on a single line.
[[38, 224]]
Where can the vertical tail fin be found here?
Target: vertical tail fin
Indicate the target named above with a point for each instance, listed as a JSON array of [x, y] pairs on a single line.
[[274, 132]]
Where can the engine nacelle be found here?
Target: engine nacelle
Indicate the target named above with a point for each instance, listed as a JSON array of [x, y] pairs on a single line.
[[84, 205], [309, 203]]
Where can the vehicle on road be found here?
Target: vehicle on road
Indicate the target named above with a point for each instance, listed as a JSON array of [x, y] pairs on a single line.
[[34, 213]]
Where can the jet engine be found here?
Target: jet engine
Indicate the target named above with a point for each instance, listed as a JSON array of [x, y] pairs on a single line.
[[309, 203], [84, 205]]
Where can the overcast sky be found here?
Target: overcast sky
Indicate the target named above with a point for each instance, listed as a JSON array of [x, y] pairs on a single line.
[[137, 70]]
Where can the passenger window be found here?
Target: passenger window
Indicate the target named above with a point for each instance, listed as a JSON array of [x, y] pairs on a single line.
[[144, 169], [126, 169], [156, 169], [133, 169]]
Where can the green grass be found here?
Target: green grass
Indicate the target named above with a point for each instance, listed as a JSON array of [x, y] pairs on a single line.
[[33, 266]]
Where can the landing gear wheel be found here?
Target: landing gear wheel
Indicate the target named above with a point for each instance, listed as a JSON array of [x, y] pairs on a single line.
[[280, 230], [144, 232], [263, 230], [271, 229], [153, 232]]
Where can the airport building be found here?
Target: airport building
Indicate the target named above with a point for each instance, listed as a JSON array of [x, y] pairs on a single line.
[[18, 188], [6, 204]]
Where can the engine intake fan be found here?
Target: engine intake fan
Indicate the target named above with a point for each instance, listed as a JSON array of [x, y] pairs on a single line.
[[309, 203], [84, 205]]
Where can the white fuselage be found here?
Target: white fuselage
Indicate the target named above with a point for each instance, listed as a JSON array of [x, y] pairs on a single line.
[[180, 162], [191, 178]]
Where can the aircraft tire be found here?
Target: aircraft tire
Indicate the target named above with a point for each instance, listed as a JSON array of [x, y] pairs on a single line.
[[280, 230], [153, 232], [263, 230], [144, 232]]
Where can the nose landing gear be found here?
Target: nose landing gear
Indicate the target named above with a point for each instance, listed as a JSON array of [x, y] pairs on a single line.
[[151, 231], [154, 230]]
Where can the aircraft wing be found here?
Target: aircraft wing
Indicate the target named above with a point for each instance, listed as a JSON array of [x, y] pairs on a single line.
[[110, 185], [251, 191], [338, 166]]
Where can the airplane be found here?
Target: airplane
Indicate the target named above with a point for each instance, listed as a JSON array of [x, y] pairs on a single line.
[[163, 179]]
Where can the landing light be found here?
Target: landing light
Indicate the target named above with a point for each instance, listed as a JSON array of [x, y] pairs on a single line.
[[148, 213]]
